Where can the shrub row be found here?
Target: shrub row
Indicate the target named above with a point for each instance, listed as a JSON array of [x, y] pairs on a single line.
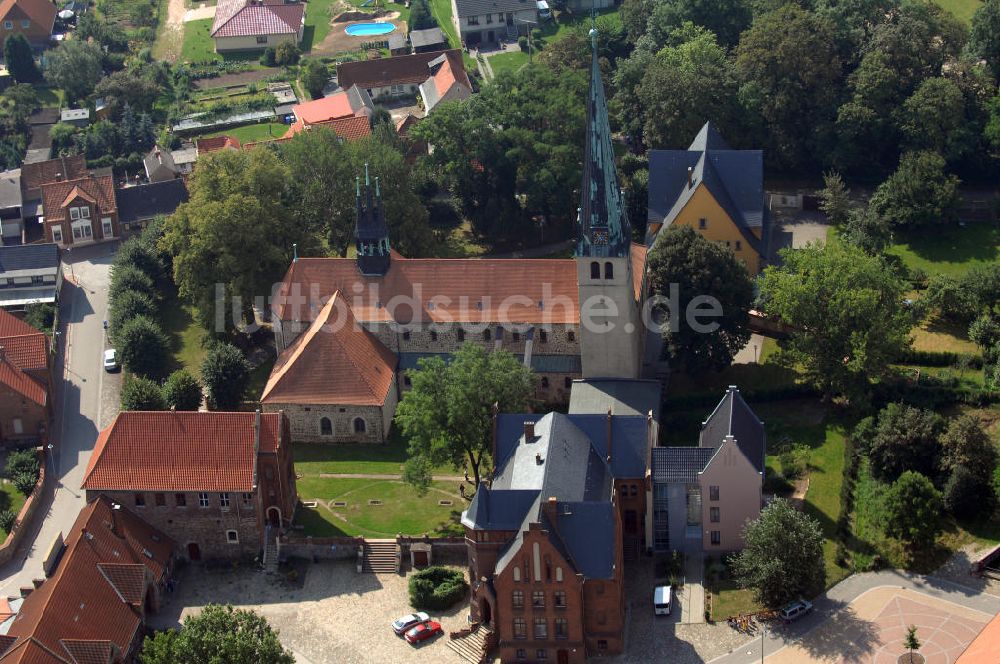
[[852, 463], [940, 359], [437, 588]]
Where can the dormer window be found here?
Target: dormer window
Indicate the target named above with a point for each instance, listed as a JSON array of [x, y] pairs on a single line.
[[76, 213]]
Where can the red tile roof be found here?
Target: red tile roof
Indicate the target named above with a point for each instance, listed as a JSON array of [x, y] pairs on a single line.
[[363, 366], [35, 175], [27, 352], [213, 143], [241, 18], [21, 383], [79, 614], [396, 70], [337, 105], [12, 326], [350, 129], [56, 195], [41, 12], [984, 648], [180, 451]]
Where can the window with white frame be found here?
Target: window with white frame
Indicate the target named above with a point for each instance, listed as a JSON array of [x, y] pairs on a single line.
[[82, 230], [57, 234], [85, 212], [232, 537], [224, 500], [8, 25], [202, 500], [107, 227], [247, 500], [74, 213]]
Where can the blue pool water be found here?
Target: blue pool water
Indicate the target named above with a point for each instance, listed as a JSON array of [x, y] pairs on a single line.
[[368, 29]]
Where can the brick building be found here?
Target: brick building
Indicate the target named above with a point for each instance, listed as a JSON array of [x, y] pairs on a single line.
[[81, 211], [93, 606], [25, 405], [214, 482], [32, 18]]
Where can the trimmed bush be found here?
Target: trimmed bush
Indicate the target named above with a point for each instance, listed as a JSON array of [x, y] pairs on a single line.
[[437, 588], [128, 305], [25, 482], [143, 346], [126, 278], [22, 461], [182, 391], [140, 255], [969, 494], [7, 519], [225, 373], [139, 393]]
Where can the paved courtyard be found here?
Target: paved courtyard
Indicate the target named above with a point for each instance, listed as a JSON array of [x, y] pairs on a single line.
[[870, 630], [333, 615]]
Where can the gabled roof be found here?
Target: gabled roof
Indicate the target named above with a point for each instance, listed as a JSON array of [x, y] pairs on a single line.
[[180, 451], [41, 12], [100, 189], [342, 348], [245, 18], [478, 7], [498, 509], [18, 381], [159, 159], [343, 104], [11, 325], [733, 417], [75, 193], [213, 143], [399, 70], [79, 614], [34, 175], [427, 37], [735, 178], [146, 201], [10, 189], [29, 257], [448, 78]]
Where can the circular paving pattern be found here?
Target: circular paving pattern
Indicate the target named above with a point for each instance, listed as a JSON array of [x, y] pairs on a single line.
[[943, 634]]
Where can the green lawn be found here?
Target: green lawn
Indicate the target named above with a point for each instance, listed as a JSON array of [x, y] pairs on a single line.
[[48, 96], [317, 23], [258, 379], [441, 9], [962, 9], [311, 459], [950, 249], [401, 511], [10, 499], [186, 335], [198, 46], [508, 61], [255, 132], [728, 599]]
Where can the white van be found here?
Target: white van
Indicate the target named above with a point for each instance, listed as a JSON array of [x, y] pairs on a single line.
[[661, 601], [543, 10]]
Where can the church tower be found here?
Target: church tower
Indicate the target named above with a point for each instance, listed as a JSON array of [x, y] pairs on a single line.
[[371, 233], [609, 318]]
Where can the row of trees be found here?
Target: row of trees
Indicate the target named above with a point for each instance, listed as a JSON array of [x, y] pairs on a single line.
[[225, 374]]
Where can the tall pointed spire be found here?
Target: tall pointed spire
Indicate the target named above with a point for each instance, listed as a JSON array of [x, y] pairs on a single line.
[[370, 231], [604, 225]]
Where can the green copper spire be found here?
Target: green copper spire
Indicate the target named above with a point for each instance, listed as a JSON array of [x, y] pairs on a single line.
[[604, 225]]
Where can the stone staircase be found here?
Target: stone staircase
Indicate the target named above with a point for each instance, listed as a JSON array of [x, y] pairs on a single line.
[[270, 552], [631, 549], [473, 646], [380, 557]]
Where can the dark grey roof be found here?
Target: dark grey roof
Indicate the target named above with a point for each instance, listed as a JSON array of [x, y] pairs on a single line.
[[158, 159], [428, 37], [733, 417], [624, 396], [396, 41], [29, 257], [628, 435], [10, 189], [492, 509], [44, 116], [708, 138], [359, 99], [146, 201], [679, 464], [478, 7], [578, 525], [734, 177]]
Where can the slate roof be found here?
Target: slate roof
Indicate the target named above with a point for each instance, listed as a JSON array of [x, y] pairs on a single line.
[[733, 417], [92, 604], [334, 345], [478, 7], [242, 18], [498, 509], [146, 201], [398, 70], [735, 179], [680, 464], [29, 257], [427, 37], [624, 396], [180, 451], [157, 160], [582, 527], [10, 188]]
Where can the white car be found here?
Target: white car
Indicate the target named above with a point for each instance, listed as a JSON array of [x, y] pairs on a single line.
[[110, 359], [795, 610], [402, 624]]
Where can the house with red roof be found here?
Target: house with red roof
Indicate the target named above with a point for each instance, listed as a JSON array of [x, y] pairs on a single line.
[[345, 112], [438, 76], [93, 607], [25, 406], [81, 211], [217, 483], [32, 18], [253, 25]]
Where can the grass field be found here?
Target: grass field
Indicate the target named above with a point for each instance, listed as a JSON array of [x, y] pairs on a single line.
[[401, 509], [48, 96], [256, 132], [312, 459], [317, 23], [10, 499], [508, 61], [728, 599], [186, 335], [950, 249], [441, 9], [198, 46], [962, 9]]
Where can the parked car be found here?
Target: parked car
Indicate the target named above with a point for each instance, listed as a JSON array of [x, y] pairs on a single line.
[[544, 12], [402, 624], [110, 359], [423, 631], [795, 610], [661, 601]]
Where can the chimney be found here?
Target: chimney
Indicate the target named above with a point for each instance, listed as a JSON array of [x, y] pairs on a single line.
[[609, 435], [551, 508], [58, 177], [529, 427], [159, 157], [690, 176], [538, 458]]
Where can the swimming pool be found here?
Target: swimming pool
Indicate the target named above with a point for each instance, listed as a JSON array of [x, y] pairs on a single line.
[[369, 29]]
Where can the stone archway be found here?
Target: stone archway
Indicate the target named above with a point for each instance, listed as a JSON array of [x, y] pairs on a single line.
[[273, 514], [485, 611]]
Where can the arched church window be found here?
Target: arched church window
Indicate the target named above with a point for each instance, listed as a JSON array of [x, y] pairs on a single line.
[[609, 270], [359, 425], [595, 270], [325, 427]]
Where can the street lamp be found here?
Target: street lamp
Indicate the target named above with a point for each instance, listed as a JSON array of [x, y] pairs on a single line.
[[52, 460]]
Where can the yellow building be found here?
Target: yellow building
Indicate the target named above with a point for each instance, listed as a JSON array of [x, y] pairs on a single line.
[[714, 189]]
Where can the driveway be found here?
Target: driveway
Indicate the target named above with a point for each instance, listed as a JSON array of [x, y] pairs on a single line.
[[332, 616], [199, 13], [796, 230], [85, 399]]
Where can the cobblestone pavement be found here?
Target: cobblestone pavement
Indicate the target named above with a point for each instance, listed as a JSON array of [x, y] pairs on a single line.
[[337, 616]]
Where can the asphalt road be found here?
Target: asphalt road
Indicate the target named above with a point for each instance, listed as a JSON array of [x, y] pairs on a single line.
[[84, 401]]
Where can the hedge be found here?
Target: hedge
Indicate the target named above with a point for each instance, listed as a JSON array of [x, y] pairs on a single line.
[[710, 399], [437, 588], [940, 359]]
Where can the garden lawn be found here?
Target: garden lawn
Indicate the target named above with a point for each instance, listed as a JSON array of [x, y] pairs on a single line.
[[511, 61], [401, 511], [317, 23], [948, 249], [962, 9], [186, 336], [256, 132], [938, 336], [728, 599], [441, 9], [48, 96], [10, 498], [311, 459], [198, 46]]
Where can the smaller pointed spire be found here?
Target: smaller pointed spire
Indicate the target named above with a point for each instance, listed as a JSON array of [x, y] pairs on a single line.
[[371, 231]]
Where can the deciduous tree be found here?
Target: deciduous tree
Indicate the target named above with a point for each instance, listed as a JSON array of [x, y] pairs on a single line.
[[934, 118], [182, 391], [919, 193], [783, 556], [906, 438], [19, 59], [447, 416], [141, 393], [965, 444], [74, 66], [912, 509], [225, 373], [967, 494], [220, 635], [143, 347], [983, 39], [697, 268], [314, 77]]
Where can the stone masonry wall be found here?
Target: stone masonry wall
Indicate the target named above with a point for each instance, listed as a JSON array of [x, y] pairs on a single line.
[[305, 421]]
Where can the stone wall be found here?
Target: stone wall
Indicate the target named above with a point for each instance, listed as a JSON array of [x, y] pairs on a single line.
[[180, 515], [306, 420], [26, 517]]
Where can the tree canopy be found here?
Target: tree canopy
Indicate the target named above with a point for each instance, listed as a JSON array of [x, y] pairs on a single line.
[[220, 635], [19, 59], [845, 310], [225, 373], [913, 509], [182, 391], [75, 66], [141, 393], [906, 438], [448, 414], [919, 193]]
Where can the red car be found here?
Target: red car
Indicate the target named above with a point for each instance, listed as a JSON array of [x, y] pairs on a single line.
[[423, 631]]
